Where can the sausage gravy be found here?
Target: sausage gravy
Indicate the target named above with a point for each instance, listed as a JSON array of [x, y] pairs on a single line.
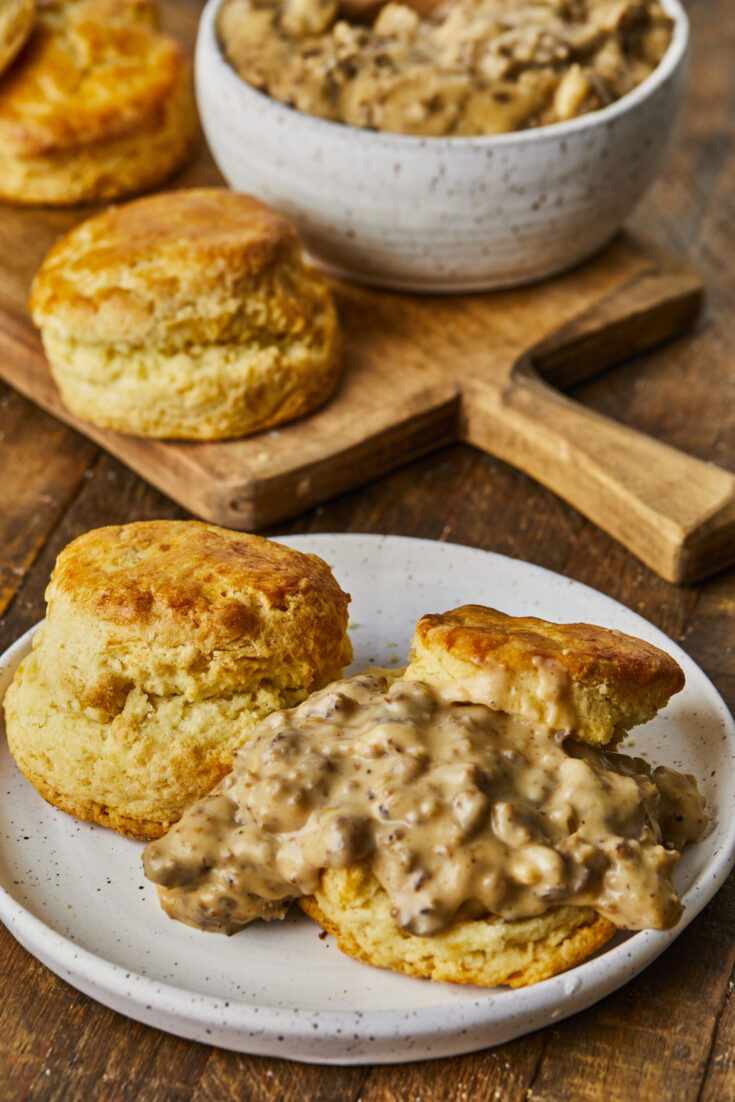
[[461, 810]]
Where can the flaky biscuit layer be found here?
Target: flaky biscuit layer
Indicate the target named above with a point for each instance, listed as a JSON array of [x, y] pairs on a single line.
[[351, 904], [137, 771], [215, 392]]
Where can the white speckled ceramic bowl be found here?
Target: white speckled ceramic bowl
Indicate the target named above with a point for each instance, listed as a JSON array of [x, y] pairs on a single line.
[[443, 214]]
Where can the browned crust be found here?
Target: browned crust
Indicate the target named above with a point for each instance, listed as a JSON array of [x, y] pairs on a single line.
[[589, 654], [186, 578], [169, 249], [556, 951], [97, 106], [107, 67], [181, 606]]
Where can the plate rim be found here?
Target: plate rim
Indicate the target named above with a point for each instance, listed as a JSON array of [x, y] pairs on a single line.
[[433, 1031]]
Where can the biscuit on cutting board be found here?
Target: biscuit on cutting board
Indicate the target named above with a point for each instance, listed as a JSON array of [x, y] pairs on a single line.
[[165, 642], [98, 105], [188, 314]]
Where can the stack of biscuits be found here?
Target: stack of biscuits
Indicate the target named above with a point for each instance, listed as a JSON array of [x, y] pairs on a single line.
[[95, 102], [164, 644]]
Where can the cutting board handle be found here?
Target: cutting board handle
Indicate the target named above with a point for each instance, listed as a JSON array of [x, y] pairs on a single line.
[[675, 512]]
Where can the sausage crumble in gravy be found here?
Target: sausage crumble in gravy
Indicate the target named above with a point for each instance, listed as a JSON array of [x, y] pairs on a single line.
[[461, 811], [473, 67]]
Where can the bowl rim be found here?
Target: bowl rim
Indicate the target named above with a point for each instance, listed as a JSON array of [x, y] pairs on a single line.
[[605, 116]]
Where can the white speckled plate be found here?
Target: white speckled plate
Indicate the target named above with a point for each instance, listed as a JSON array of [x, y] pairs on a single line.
[[75, 895]]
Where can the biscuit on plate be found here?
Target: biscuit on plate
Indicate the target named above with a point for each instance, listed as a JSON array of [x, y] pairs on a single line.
[[439, 837], [589, 681], [592, 682], [98, 105], [188, 314], [351, 904], [16, 20], [165, 642]]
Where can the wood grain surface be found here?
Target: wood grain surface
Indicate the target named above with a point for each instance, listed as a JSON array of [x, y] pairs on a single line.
[[424, 371], [668, 1036], [421, 372]]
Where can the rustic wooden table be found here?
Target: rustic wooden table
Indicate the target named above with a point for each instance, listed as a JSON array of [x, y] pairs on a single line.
[[669, 1034]]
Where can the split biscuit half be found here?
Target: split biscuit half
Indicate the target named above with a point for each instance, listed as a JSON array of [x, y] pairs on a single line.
[[590, 682], [351, 904], [585, 681]]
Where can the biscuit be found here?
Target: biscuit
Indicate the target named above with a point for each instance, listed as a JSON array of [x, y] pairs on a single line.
[[591, 682], [351, 904], [16, 21], [99, 105], [188, 314], [165, 643]]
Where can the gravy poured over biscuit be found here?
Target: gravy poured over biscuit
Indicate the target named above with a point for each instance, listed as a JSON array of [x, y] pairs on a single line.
[[460, 810]]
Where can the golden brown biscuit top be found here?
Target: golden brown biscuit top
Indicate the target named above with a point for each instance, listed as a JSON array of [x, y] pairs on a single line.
[[92, 70], [589, 654], [168, 249], [182, 580]]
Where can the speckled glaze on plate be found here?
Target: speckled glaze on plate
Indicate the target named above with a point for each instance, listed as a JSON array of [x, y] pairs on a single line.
[[446, 213], [75, 895]]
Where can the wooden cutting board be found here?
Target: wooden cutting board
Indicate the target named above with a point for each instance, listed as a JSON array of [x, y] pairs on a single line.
[[421, 372]]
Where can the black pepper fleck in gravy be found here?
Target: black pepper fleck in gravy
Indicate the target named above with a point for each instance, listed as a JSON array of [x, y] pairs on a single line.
[[459, 809]]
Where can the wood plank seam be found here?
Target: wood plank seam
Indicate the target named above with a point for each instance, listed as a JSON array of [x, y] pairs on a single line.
[[713, 1037], [528, 1089]]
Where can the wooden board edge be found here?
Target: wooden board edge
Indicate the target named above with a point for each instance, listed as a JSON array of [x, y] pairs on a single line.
[[653, 307], [256, 504], [247, 501]]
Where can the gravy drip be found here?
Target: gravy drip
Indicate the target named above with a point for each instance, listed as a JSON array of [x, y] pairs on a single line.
[[461, 811]]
